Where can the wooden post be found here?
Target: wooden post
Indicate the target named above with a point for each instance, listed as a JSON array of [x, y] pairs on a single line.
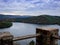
[[53, 40], [46, 36], [6, 38], [0, 37]]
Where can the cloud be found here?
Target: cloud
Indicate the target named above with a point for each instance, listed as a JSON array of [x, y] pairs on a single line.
[[28, 6]]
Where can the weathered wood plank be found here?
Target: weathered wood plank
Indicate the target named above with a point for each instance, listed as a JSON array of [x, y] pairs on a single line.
[[56, 37], [25, 37]]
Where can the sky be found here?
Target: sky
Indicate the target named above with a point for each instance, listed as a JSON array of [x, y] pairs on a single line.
[[30, 7]]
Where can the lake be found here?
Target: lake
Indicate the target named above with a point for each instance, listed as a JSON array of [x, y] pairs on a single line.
[[22, 29]]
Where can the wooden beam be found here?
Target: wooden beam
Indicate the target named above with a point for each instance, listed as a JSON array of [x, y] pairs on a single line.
[[56, 37], [25, 37]]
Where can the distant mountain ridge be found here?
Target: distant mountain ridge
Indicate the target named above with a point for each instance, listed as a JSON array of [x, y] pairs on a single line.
[[11, 16], [42, 19]]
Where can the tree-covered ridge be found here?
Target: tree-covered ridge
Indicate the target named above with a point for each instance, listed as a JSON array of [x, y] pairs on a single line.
[[5, 24], [43, 19]]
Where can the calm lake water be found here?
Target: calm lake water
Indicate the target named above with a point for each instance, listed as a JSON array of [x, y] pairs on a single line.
[[22, 29]]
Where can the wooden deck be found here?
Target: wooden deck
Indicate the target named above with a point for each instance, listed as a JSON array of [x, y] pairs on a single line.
[[25, 37]]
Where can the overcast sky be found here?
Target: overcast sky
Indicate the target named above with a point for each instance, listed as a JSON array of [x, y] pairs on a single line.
[[30, 7]]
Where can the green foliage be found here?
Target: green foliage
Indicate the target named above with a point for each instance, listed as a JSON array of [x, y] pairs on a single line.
[[5, 24], [43, 19], [32, 43]]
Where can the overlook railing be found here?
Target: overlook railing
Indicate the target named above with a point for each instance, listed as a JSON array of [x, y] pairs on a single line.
[[44, 36], [25, 37]]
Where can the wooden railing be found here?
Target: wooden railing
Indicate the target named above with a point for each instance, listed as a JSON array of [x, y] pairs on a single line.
[[56, 37], [25, 37], [44, 36]]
